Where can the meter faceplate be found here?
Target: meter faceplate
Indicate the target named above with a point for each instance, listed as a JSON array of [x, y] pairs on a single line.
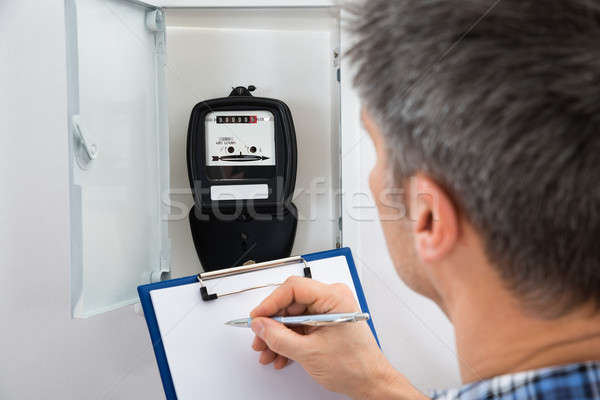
[[241, 138]]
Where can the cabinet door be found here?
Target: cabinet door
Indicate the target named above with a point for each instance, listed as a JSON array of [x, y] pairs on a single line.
[[119, 151]]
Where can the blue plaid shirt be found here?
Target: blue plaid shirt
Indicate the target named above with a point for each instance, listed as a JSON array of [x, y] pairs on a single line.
[[567, 382]]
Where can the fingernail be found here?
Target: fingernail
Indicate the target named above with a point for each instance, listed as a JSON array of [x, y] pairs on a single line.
[[257, 327]]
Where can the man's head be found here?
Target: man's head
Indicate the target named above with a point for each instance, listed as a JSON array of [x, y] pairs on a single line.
[[492, 111]]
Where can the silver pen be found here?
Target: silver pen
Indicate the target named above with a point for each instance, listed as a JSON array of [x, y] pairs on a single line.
[[310, 320]]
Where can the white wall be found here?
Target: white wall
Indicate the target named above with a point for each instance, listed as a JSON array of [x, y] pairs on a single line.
[[46, 353]]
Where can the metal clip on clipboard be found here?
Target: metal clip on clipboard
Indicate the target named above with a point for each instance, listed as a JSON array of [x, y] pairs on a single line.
[[205, 276]]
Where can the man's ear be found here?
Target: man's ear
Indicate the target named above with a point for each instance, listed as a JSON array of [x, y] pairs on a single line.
[[435, 219]]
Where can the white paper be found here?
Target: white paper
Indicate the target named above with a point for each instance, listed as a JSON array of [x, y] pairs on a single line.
[[208, 359]]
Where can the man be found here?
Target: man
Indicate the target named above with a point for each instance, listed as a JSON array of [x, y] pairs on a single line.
[[488, 114]]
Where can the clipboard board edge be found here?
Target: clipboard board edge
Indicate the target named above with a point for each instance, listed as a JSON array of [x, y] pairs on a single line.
[[155, 337]]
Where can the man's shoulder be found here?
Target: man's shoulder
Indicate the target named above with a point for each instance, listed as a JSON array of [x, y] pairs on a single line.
[[579, 381]]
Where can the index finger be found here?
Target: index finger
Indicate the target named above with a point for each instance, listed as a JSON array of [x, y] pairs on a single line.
[[295, 290]]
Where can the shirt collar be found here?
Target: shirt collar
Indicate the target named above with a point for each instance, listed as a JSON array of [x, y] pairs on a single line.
[[573, 381]]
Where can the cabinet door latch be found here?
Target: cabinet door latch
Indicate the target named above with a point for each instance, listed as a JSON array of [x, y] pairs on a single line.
[[90, 148]]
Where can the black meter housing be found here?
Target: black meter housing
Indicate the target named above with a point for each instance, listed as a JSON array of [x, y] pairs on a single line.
[[241, 159]]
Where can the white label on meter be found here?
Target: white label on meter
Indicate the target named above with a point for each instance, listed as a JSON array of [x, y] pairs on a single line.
[[235, 138], [239, 192]]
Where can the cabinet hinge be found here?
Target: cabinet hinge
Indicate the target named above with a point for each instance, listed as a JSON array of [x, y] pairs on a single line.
[[165, 269], [336, 57], [155, 20]]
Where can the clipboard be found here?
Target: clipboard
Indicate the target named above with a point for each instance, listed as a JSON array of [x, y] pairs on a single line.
[[213, 296]]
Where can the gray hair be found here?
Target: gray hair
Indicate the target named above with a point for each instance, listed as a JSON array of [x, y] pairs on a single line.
[[501, 106]]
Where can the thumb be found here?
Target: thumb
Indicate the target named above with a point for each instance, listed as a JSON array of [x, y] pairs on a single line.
[[278, 337]]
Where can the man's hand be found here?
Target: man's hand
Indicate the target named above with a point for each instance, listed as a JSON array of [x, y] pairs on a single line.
[[344, 358]]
